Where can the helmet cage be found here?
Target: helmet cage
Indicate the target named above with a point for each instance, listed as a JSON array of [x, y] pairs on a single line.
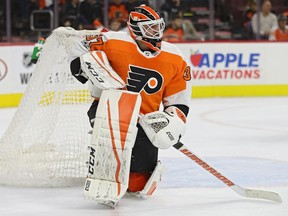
[[152, 29]]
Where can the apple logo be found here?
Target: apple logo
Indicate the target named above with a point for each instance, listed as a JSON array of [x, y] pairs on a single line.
[[196, 58]]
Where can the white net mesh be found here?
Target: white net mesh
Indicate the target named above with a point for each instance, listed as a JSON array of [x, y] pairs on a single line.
[[46, 142]]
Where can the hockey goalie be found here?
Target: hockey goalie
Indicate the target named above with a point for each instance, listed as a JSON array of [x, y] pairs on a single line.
[[130, 75]]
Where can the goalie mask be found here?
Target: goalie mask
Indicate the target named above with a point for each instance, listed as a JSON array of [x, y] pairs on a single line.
[[146, 25]]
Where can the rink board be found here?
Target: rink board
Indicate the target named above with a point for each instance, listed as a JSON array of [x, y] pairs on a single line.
[[218, 69]]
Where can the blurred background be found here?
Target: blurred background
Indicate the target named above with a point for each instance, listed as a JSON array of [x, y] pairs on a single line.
[[186, 20]]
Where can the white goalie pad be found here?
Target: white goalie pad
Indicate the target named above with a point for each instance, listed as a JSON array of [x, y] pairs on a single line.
[[98, 69], [151, 184], [113, 138], [153, 181]]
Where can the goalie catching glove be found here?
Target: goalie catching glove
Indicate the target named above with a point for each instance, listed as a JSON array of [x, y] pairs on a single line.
[[164, 129], [98, 69]]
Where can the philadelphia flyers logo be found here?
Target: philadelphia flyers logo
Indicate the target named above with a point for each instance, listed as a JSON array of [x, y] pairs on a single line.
[[145, 79]]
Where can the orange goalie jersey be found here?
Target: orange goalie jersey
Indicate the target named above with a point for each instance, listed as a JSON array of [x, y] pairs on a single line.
[[158, 78]]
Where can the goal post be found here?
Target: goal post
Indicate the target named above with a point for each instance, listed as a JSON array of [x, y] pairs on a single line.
[[46, 142]]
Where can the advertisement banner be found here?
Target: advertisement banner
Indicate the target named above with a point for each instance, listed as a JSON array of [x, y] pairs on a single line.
[[236, 63]]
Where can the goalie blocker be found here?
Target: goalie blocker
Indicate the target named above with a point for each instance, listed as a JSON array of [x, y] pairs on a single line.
[[113, 137], [94, 66]]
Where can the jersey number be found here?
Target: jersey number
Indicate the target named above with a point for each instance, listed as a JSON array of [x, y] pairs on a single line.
[[94, 40], [187, 73]]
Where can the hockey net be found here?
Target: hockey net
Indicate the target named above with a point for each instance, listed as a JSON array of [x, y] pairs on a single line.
[[46, 142]]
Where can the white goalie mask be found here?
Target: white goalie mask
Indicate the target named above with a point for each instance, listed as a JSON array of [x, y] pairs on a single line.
[[152, 29], [145, 24]]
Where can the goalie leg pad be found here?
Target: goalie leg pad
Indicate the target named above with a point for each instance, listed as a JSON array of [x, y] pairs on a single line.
[[153, 181], [104, 192], [113, 138], [151, 184]]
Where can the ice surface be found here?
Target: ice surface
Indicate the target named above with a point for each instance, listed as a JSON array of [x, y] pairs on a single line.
[[246, 139]]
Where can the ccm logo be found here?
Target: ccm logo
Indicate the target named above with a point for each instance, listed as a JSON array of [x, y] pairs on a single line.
[[91, 161], [93, 72]]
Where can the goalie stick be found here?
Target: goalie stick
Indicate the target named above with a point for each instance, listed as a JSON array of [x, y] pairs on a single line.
[[250, 193]]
